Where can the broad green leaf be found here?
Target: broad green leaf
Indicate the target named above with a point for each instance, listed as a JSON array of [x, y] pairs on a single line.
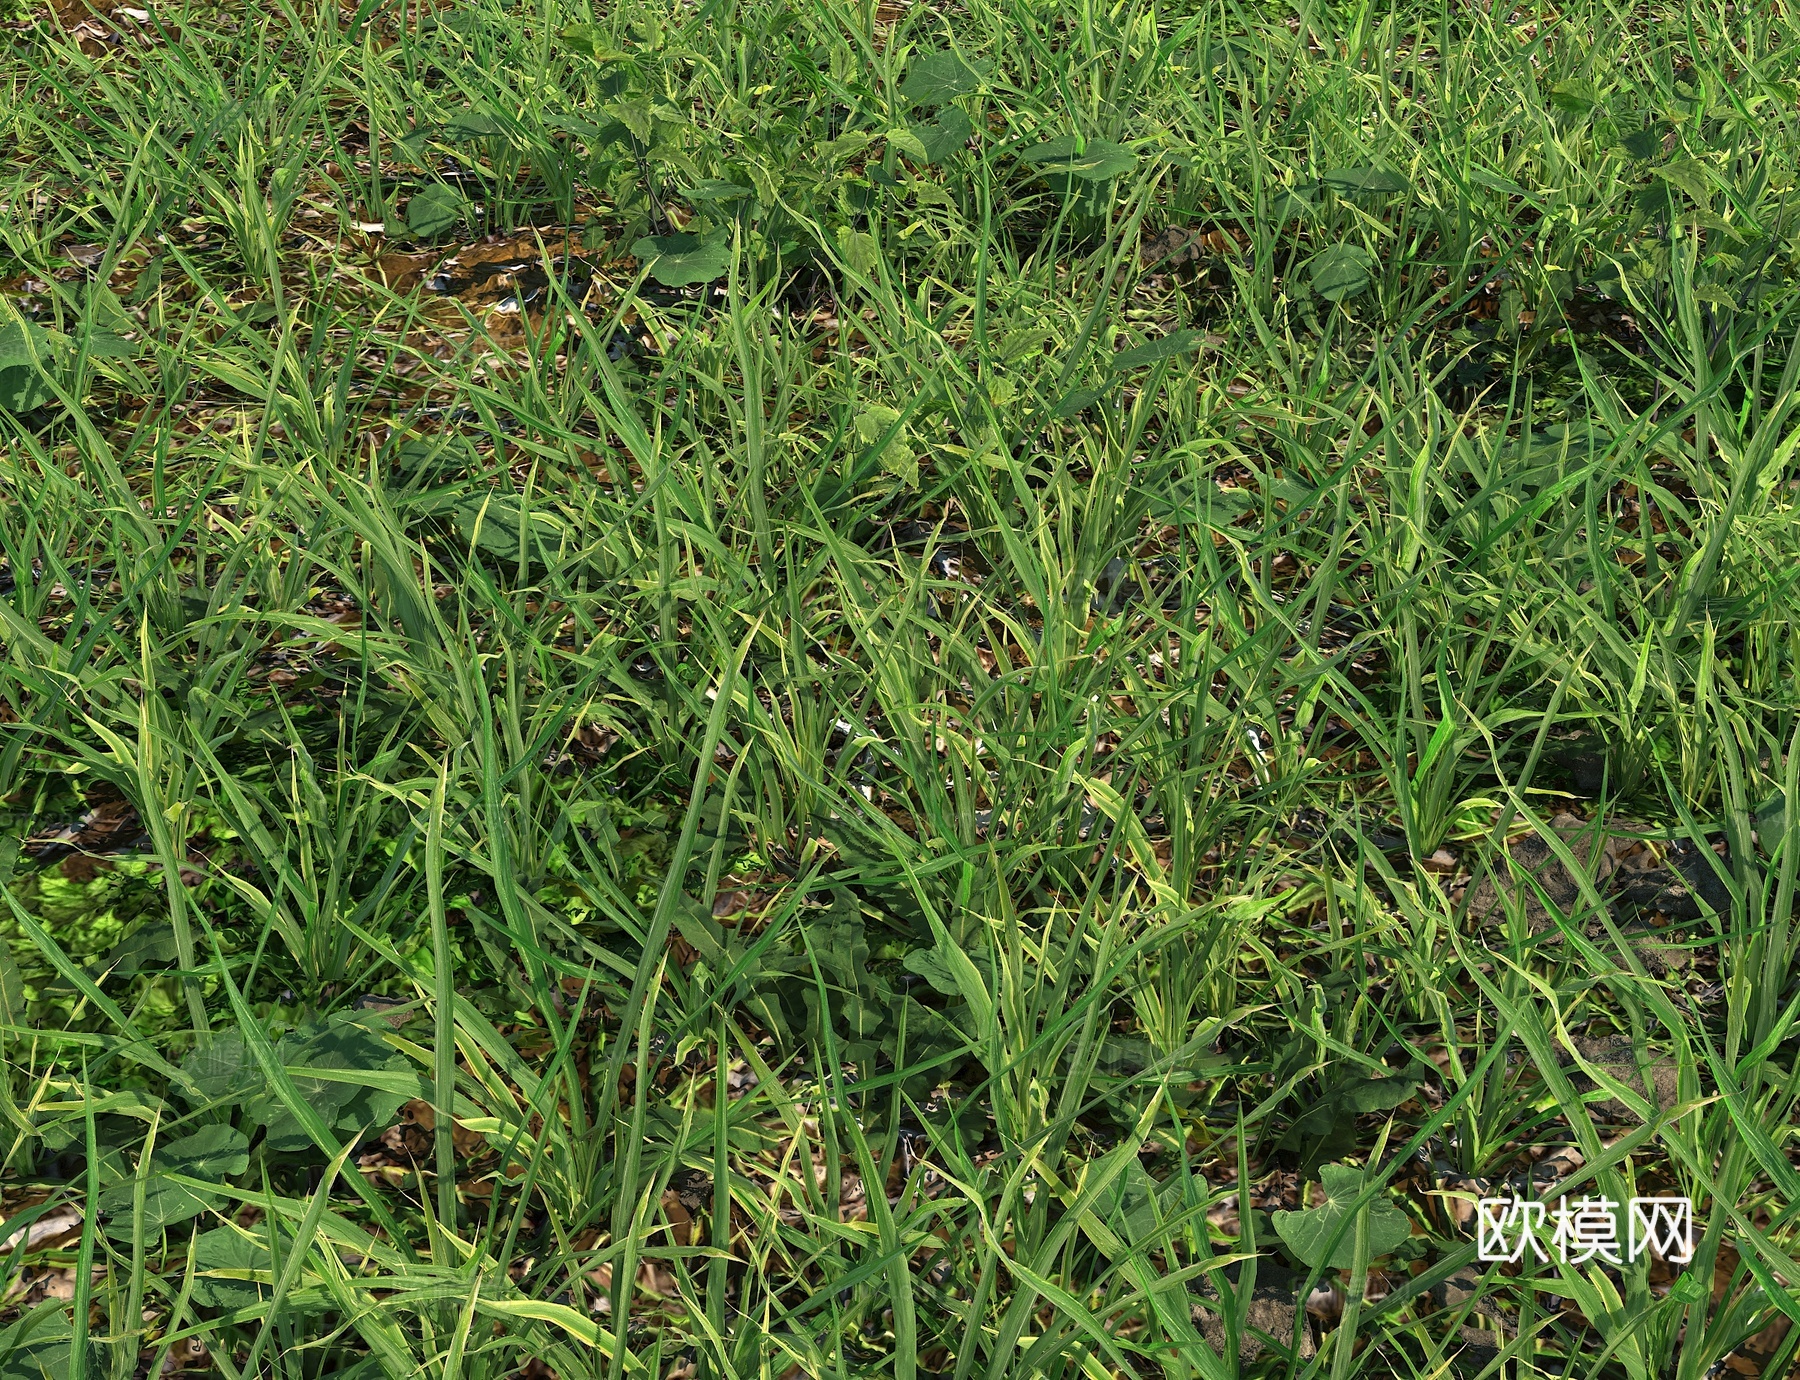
[[1291, 206], [684, 259], [107, 345], [1367, 181], [1572, 98], [1772, 818], [1645, 143], [435, 212], [938, 79], [235, 1254], [935, 969], [213, 1153], [945, 136], [26, 349], [590, 41], [861, 250], [1340, 271], [716, 189], [1165, 347], [897, 458], [1690, 175], [470, 125], [1308, 1233], [1078, 401], [1097, 160]]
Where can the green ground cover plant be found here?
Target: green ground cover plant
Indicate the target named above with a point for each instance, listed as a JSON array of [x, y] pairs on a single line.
[[1010, 688]]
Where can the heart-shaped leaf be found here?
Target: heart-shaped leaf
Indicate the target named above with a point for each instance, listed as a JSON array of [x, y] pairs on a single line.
[[239, 1256], [1165, 347], [684, 259], [1096, 160], [106, 345], [1308, 1234], [26, 350], [1645, 143], [1340, 271], [945, 136], [1366, 181], [1571, 98], [938, 79], [435, 212], [897, 457], [210, 1154], [470, 125], [1690, 175], [715, 189], [1078, 401], [590, 41], [1291, 206]]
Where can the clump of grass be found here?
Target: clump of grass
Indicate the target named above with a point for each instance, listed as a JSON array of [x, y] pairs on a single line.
[[814, 690]]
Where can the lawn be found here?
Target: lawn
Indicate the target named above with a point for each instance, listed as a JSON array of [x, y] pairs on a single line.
[[954, 691]]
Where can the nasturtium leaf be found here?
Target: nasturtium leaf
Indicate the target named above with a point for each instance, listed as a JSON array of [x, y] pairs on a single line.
[[223, 1068], [1308, 1233], [1078, 401], [861, 250], [938, 79], [44, 1355], [26, 350], [235, 1254], [150, 945], [684, 259], [435, 211], [1164, 347], [897, 458], [312, 1054], [1291, 206], [590, 41], [1571, 98], [1370, 181], [934, 968], [492, 524], [213, 1152], [1098, 160], [414, 144], [716, 189], [1690, 176], [470, 125], [1340, 271], [210, 1154], [107, 345], [1772, 819], [943, 137]]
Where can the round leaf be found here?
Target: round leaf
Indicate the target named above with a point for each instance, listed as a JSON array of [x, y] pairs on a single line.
[[1098, 160], [1308, 1234], [939, 140], [589, 40], [1340, 271], [939, 78], [435, 211], [682, 260], [25, 350], [1367, 181], [471, 125], [1165, 347]]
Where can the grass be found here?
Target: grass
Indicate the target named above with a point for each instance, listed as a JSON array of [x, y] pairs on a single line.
[[818, 690]]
